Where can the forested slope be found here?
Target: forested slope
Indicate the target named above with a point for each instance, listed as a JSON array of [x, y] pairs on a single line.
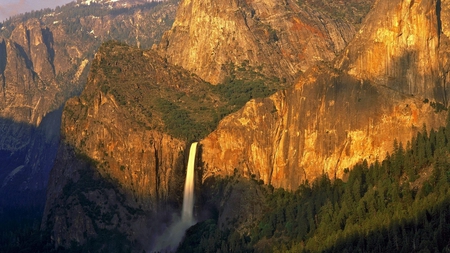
[[398, 204]]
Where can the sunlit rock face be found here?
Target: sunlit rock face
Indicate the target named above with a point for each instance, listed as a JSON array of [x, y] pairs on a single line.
[[27, 75], [333, 118], [278, 38], [401, 46]]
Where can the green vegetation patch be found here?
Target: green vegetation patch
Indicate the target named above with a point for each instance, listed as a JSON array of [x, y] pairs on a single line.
[[161, 96]]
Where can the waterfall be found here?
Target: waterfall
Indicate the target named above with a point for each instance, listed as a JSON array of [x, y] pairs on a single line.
[[172, 236], [188, 200]]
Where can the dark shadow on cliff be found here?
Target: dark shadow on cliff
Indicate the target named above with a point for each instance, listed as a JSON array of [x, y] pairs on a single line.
[[88, 210], [25, 167], [3, 61], [26, 157]]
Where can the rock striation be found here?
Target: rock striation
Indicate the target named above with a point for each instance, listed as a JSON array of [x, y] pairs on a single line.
[[28, 76]]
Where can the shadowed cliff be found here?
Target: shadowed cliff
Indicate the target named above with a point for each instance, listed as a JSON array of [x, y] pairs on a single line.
[[25, 168], [44, 60]]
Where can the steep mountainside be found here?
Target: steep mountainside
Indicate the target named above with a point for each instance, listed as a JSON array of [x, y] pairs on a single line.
[[276, 38], [117, 131], [388, 83], [44, 60]]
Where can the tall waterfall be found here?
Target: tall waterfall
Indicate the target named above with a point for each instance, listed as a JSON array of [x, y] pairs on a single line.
[[172, 236], [188, 200]]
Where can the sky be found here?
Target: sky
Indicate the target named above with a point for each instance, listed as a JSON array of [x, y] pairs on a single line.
[[12, 7]]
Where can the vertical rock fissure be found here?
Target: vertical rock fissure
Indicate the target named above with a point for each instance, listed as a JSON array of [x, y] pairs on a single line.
[[47, 36], [280, 125], [444, 89]]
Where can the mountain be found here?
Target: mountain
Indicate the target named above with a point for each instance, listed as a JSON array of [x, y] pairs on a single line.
[[388, 83], [119, 172], [354, 97], [336, 140], [45, 57], [127, 133], [276, 38]]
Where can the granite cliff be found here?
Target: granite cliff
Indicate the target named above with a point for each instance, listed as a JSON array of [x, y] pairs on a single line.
[[128, 130], [277, 38], [388, 82], [117, 133]]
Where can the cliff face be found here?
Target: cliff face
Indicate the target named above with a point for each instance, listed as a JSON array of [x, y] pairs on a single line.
[[405, 50], [279, 38], [331, 119], [44, 60], [115, 132], [28, 74], [29, 113]]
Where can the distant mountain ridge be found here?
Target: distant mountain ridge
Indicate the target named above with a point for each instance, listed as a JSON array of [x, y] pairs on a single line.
[[117, 3]]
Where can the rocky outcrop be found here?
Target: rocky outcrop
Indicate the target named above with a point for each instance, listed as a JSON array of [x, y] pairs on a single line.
[[322, 125], [331, 119], [28, 75], [277, 38]]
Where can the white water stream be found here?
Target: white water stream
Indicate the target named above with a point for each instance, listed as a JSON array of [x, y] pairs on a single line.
[[188, 200], [169, 240]]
